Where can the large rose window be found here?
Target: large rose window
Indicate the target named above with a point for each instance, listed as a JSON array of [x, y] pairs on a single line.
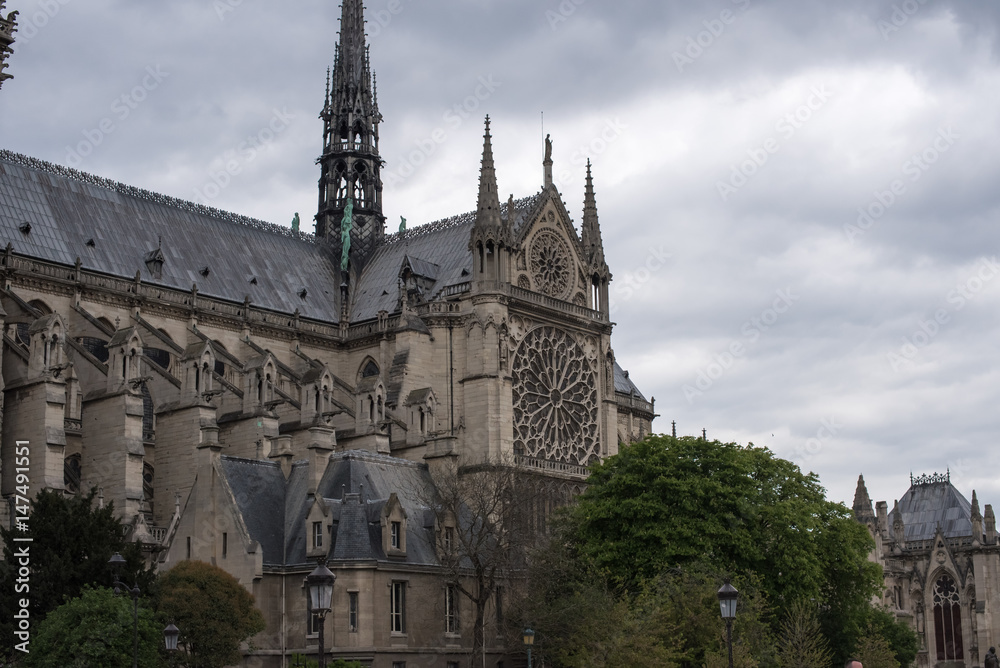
[[551, 264], [555, 399]]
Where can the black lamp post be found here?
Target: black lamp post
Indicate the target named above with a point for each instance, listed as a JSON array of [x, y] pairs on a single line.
[[320, 584], [529, 640], [116, 562], [727, 602]]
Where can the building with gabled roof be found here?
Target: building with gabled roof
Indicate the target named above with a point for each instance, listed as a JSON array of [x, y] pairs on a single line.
[[258, 397], [941, 564]]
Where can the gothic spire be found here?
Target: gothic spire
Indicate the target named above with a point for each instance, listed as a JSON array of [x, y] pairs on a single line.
[[350, 162], [863, 511], [590, 233], [488, 209]]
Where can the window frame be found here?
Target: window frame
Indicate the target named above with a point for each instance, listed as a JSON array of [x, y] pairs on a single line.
[[397, 607]]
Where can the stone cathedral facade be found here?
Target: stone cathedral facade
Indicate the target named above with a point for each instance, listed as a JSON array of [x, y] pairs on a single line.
[[941, 563], [258, 397]]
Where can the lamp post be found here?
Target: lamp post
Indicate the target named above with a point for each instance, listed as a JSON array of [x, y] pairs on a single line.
[[320, 585], [170, 635], [529, 640], [116, 562], [727, 602]]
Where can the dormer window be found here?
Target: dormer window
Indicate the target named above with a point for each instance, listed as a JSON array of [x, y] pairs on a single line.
[[395, 535]]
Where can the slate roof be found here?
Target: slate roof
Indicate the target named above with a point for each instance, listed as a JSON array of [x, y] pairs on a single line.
[[927, 505], [443, 244], [624, 385], [67, 208], [259, 488], [355, 488]]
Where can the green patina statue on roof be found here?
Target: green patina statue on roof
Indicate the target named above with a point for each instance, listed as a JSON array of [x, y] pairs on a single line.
[[345, 234]]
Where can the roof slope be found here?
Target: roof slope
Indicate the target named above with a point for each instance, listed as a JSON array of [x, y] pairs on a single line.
[[624, 384], [925, 506], [66, 209]]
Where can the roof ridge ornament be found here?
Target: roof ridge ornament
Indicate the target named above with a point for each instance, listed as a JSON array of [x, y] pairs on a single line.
[[931, 478]]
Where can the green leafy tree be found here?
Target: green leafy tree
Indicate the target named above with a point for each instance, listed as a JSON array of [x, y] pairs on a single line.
[[801, 643], [873, 650], [95, 629], [72, 541], [667, 502], [902, 639], [213, 612]]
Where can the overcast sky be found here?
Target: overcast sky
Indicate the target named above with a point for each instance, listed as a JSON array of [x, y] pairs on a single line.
[[800, 199]]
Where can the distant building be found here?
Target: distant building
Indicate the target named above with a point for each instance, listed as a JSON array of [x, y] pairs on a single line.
[[257, 397], [941, 563]]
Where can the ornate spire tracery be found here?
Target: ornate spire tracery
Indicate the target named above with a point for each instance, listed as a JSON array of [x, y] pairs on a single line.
[[350, 162]]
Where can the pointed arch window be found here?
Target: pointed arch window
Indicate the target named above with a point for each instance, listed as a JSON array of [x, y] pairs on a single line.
[[370, 369], [947, 620]]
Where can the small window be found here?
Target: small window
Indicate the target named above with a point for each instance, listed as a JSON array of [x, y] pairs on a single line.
[[453, 664], [397, 608], [449, 539], [317, 534], [189, 547], [398, 664], [312, 619], [499, 606], [395, 538], [225, 544], [451, 608], [352, 611]]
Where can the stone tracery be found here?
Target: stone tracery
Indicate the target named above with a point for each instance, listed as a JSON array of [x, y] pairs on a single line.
[[555, 399]]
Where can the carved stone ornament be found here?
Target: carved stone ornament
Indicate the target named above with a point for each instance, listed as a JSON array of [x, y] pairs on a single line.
[[551, 264], [555, 399]]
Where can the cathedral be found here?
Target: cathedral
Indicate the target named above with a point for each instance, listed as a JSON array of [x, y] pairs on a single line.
[[259, 398], [941, 563]]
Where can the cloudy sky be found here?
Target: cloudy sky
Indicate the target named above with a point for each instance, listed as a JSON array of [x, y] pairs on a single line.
[[800, 199]]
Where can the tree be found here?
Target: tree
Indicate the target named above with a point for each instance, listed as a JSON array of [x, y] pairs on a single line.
[[666, 502], [873, 650], [801, 643], [72, 541], [95, 629], [212, 610], [902, 639], [483, 514]]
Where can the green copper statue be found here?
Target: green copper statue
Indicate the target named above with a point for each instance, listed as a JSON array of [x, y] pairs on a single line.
[[295, 222], [402, 224], [345, 234]]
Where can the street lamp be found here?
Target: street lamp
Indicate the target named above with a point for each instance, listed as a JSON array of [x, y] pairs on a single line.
[[320, 585], [170, 635], [116, 562], [727, 602], [529, 640]]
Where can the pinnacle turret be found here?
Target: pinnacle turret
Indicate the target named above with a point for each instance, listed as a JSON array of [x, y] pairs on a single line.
[[590, 233], [488, 208]]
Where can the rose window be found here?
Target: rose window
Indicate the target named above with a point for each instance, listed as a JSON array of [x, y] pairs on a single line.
[[555, 399], [551, 264]]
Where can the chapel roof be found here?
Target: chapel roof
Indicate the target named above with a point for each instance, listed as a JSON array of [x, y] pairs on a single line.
[[930, 502]]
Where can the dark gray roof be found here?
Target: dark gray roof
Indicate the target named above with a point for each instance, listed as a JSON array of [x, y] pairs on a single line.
[[259, 488], [925, 506], [444, 243], [623, 384], [380, 476], [355, 487], [66, 209]]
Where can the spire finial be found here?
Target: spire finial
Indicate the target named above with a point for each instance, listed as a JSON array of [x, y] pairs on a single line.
[[488, 210]]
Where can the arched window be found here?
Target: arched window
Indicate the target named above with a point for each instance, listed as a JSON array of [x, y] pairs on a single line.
[[41, 306], [96, 347], [370, 369], [947, 620], [147, 415]]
